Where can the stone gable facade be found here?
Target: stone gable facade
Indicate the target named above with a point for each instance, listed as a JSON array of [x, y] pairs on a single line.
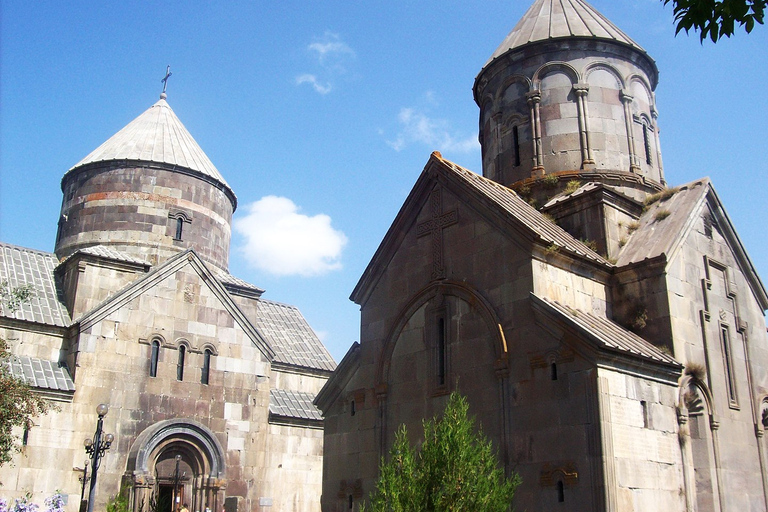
[[209, 386], [607, 329]]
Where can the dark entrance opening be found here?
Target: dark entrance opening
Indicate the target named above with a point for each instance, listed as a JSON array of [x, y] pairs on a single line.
[[165, 498]]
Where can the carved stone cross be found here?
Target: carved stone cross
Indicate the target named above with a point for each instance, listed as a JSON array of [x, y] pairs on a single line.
[[434, 227]]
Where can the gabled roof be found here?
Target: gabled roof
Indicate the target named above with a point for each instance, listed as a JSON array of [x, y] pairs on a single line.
[[559, 19], [21, 266], [605, 334], [293, 404], [157, 274], [666, 223], [482, 193], [157, 135], [39, 373], [291, 337]]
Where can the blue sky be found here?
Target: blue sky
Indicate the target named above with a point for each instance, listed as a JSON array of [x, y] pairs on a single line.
[[323, 114]]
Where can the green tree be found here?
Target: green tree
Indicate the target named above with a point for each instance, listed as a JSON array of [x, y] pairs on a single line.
[[455, 470], [18, 403], [717, 18]]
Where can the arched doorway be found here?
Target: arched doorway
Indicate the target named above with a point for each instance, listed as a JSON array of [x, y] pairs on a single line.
[[176, 462]]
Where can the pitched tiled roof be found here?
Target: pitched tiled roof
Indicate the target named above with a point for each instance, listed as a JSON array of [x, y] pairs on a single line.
[[228, 279], [516, 206], [655, 236], [557, 19], [157, 135], [39, 373], [291, 337], [610, 335], [293, 404], [103, 251], [21, 266]]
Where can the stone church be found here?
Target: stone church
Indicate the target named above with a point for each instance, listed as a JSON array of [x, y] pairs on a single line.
[[209, 386], [606, 327]]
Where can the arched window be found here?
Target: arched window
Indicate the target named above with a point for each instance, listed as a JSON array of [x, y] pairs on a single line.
[[180, 365], [560, 491], [516, 144], [553, 370], [179, 228], [647, 143], [441, 362], [153, 358], [206, 366]]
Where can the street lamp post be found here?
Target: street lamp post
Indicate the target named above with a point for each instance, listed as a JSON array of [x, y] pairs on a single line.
[[84, 480], [95, 449], [176, 496]]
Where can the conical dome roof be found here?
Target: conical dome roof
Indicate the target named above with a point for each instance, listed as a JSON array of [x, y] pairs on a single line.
[[158, 136], [556, 19]]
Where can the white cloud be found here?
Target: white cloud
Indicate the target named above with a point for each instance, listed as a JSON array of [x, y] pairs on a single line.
[[312, 79], [283, 242], [331, 57], [330, 46], [417, 127]]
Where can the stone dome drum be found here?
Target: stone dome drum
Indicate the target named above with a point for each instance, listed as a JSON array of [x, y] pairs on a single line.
[[149, 191], [569, 92]]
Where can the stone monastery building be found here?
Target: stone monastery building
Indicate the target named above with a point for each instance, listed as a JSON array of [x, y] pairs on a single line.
[[209, 386], [607, 330]]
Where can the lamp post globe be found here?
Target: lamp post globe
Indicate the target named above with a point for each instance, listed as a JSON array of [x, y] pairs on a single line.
[[95, 449], [102, 410]]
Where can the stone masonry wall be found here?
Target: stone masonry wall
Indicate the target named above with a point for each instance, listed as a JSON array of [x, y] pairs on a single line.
[[135, 209]]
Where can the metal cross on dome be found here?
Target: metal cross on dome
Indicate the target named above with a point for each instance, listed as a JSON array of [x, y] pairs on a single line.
[[165, 78]]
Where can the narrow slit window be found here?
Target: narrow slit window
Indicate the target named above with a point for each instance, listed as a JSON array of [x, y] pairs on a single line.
[[179, 228], [560, 492], [153, 358], [516, 144], [352, 409], [553, 371], [205, 374], [728, 362], [441, 351], [644, 407], [351, 502], [647, 142], [25, 435], [180, 365]]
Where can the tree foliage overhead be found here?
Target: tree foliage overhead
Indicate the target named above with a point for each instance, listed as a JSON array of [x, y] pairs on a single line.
[[18, 403], [455, 470], [717, 18]]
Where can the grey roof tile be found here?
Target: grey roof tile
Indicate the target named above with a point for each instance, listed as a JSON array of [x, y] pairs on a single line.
[[104, 251], [21, 266], [609, 334], [228, 279], [157, 135], [655, 236], [583, 189], [293, 404], [556, 19], [513, 204], [40, 373], [291, 337]]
